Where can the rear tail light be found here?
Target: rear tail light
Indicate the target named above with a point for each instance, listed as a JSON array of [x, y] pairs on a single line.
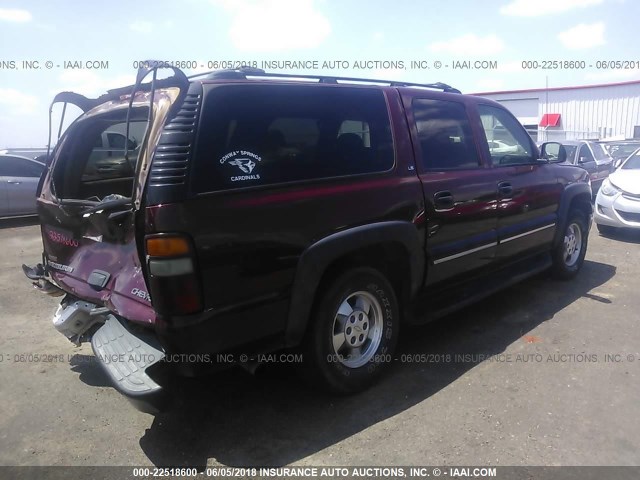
[[167, 246], [174, 285]]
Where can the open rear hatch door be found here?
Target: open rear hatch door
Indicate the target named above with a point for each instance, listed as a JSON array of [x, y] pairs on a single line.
[[92, 194]]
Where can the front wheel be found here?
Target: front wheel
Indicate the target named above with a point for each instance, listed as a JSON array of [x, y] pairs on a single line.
[[568, 255], [354, 331]]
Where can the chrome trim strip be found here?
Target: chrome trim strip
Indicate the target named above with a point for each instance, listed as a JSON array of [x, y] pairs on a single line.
[[462, 254], [527, 233], [477, 249]]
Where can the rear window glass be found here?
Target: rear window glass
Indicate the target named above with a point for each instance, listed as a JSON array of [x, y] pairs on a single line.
[[263, 134], [91, 164], [106, 159]]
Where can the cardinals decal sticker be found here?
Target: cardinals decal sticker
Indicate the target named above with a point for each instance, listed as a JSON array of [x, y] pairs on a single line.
[[243, 164]]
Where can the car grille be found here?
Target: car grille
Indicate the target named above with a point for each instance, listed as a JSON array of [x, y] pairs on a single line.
[[629, 216]]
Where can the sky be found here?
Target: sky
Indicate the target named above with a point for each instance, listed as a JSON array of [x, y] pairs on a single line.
[[475, 46]]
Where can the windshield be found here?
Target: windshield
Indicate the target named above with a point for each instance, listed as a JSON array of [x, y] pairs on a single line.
[[633, 163], [571, 152], [600, 152], [623, 150]]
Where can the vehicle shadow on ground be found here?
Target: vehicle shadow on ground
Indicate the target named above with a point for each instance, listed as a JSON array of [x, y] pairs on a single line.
[[89, 370], [273, 419], [623, 235], [18, 222]]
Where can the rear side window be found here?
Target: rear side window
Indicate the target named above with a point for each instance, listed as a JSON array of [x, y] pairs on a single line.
[[444, 135], [254, 135]]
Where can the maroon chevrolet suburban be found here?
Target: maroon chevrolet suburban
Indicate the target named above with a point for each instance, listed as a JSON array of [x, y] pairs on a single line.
[[263, 212]]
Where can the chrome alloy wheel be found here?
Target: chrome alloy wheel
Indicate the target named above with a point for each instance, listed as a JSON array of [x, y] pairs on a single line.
[[572, 244], [357, 329]]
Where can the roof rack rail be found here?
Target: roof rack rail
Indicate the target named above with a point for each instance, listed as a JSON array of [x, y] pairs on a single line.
[[243, 72]]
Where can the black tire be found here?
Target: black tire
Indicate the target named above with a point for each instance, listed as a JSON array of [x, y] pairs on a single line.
[[605, 230], [339, 372], [566, 266]]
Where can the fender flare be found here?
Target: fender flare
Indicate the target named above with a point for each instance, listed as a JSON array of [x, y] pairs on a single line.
[[571, 192], [317, 257]]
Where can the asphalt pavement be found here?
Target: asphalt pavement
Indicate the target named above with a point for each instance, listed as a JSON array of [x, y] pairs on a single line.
[[544, 373]]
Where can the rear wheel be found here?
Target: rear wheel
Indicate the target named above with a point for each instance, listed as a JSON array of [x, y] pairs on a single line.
[[354, 331], [568, 256]]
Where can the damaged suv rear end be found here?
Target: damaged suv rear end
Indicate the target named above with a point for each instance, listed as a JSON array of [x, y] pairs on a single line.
[[91, 205]]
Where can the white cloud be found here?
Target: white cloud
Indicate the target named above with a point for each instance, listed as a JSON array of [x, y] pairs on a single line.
[[90, 83], [583, 36], [141, 26], [530, 8], [16, 102], [15, 15], [272, 25], [469, 44]]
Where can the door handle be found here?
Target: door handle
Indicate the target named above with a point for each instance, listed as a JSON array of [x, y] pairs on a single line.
[[505, 189], [14, 182], [443, 199]]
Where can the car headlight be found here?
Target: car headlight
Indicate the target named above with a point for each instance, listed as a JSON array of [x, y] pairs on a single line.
[[608, 188]]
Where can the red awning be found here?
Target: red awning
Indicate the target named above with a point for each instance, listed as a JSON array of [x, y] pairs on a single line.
[[550, 120]]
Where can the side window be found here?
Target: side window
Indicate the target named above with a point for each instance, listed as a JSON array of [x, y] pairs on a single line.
[[115, 140], [17, 167], [585, 154], [263, 134], [444, 134], [507, 140]]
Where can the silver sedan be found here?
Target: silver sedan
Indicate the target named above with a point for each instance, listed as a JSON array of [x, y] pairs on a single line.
[[618, 201], [19, 178]]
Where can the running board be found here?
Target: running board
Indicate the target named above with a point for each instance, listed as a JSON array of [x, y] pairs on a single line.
[[125, 358], [434, 304]]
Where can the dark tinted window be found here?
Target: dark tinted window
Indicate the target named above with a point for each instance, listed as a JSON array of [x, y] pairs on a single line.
[[261, 134], [444, 133], [18, 167], [571, 153]]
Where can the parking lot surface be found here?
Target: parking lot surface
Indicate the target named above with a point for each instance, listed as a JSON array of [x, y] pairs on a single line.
[[544, 373]]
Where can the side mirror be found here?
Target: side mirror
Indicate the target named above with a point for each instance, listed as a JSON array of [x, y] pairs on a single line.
[[553, 152]]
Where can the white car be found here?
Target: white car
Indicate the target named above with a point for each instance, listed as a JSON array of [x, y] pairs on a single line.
[[618, 201]]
